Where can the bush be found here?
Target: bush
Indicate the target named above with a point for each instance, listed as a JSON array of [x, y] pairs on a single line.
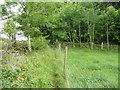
[[22, 44], [39, 43], [3, 45]]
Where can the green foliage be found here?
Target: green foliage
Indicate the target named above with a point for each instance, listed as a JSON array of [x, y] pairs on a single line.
[[4, 10], [13, 73], [4, 44], [39, 43], [22, 44], [12, 79], [10, 28], [63, 21]]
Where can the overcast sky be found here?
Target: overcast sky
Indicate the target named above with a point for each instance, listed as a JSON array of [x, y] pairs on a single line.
[[1, 1], [2, 22]]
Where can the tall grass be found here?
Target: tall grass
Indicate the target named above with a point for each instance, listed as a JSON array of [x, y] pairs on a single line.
[[39, 69], [93, 68], [44, 69]]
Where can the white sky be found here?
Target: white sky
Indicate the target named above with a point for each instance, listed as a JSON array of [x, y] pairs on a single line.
[[1, 1], [2, 22]]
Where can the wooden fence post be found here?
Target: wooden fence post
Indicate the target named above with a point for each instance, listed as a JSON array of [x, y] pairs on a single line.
[[59, 47], [29, 43], [60, 51], [65, 59], [102, 45]]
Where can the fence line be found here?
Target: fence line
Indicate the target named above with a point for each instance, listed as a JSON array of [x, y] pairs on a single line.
[[75, 67], [66, 67]]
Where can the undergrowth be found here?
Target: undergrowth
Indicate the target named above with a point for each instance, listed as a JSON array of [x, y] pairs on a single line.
[[39, 69]]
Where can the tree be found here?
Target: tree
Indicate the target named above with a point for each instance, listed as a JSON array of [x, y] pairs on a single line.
[[69, 22], [10, 29], [91, 18], [111, 14]]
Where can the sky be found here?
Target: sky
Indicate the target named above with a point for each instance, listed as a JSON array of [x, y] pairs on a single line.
[[2, 22], [1, 1]]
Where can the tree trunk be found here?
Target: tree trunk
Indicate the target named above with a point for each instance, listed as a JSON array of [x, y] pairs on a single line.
[[91, 43], [73, 43], [107, 38], [13, 40], [90, 37], [70, 37], [93, 36], [79, 35]]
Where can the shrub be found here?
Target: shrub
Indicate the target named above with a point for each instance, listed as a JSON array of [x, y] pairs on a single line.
[[22, 44], [3, 45], [39, 43]]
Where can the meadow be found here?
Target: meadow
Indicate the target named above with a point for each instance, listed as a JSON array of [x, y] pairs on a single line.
[[85, 68], [92, 68]]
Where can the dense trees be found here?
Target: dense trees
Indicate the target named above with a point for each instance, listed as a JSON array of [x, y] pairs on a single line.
[[71, 22]]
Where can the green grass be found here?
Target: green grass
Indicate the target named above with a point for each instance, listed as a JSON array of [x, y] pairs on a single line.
[[39, 69], [92, 68], [47, 69], [44, 69]]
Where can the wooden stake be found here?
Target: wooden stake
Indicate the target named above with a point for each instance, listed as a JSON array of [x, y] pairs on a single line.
[[64, 67], [59, 47], [102, 45], [107, 38], [65, 59], [66, 49], [60, 51], [29, 43]]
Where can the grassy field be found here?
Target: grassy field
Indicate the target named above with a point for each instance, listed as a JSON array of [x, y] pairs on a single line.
[[85, 68], [92, 68]]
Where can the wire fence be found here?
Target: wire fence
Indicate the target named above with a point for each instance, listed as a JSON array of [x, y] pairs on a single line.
[[79, 77], [74, 74]]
